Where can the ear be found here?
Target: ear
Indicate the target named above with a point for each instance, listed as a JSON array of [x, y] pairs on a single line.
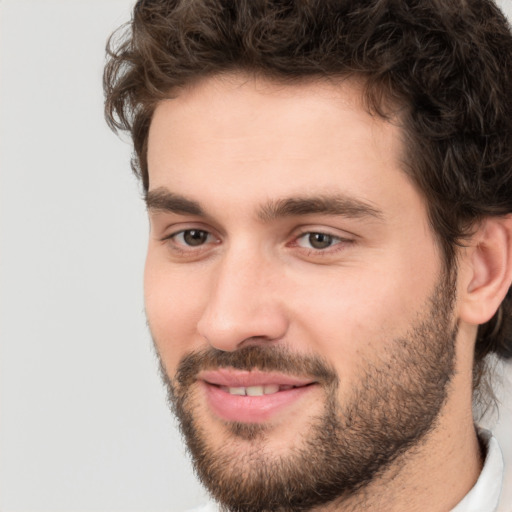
[[486, 270]]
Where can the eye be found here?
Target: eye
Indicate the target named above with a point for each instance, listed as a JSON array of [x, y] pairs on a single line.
[[192, 237], [317, 241]]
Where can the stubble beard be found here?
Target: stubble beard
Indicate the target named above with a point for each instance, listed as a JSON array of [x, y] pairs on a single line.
[[390, 410]]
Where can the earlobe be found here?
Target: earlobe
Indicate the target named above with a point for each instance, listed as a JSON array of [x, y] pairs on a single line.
[[488, 263]]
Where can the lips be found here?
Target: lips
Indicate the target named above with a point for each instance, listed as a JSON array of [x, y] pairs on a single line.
[[251, 397], [268, 389]]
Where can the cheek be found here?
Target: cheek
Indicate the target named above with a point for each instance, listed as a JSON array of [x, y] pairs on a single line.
[[352, 317], [173, 307]]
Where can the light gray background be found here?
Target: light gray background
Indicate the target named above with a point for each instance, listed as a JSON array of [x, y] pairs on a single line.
[[84, 425]]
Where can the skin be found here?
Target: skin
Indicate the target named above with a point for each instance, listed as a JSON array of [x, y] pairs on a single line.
[[233, 144]]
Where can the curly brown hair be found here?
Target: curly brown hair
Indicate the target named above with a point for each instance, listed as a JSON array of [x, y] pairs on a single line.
[[447, 65]]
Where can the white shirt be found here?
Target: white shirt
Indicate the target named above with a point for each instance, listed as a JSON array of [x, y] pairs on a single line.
[[485, 494]]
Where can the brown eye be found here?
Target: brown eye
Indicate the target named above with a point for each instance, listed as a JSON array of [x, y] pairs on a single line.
[[194, 237], [320, 240]]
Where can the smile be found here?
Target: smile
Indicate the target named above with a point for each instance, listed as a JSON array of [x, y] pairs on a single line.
[[269, 389], [252, 397]]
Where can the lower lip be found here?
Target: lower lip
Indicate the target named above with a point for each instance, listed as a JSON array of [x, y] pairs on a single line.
[[252, 409]]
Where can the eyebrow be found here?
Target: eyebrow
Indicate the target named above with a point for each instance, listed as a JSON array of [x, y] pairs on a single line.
[[337, 204], [162, 199]]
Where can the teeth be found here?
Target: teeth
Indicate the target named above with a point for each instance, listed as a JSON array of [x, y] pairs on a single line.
[[255, 390], [236, 391]]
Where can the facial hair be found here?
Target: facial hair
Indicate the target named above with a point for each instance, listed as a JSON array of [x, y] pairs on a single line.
[[389, 411]]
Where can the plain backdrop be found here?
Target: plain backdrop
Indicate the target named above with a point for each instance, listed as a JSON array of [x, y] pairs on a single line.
[[84, 424]]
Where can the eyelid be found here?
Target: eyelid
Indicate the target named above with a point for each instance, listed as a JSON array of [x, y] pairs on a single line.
[[324, 230], [341, 241], [180, 249], [175, 234], [183, 231], [174, 229], [335, 238]]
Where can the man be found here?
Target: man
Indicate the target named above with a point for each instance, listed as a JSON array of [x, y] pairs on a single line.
[[329, 188]]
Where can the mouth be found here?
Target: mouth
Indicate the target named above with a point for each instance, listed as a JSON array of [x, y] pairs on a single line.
[[252, 397], [267, 389]]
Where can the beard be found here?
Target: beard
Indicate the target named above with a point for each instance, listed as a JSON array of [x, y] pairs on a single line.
[[390, 409]]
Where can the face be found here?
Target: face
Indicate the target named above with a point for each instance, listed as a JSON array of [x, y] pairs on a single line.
[[294, 290]]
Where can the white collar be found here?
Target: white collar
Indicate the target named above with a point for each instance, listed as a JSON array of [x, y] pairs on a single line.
[[485, 494]]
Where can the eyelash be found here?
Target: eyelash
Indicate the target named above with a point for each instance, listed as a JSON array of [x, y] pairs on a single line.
[[184, 248], [336, 240]]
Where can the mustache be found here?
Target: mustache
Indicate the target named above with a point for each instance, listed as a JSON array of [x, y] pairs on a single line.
[[255, 357]]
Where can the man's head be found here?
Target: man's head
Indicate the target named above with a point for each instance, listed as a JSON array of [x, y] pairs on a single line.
[[328, 186]]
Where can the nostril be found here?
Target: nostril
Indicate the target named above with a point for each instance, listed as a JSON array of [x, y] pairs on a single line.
[[239, 328]]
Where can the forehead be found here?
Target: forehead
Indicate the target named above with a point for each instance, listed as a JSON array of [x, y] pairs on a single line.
[[271, 138]]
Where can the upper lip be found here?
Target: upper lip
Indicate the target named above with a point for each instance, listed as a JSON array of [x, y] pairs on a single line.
[[230, 377]]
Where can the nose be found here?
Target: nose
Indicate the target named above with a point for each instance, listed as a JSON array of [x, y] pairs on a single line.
[[244, 304]]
